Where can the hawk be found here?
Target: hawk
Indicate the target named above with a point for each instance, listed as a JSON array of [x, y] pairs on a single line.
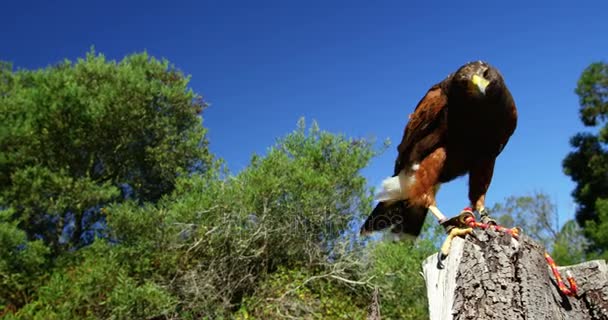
[[459, 127]]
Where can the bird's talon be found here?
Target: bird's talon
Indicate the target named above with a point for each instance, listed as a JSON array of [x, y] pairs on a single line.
[[440, 261], [441, 256], [448, 228], [514, 232], [489, 221], [454, 232], [459, 221], [484, 215]]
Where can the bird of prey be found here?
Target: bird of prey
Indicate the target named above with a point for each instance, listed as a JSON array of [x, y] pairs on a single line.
[[459, 127]]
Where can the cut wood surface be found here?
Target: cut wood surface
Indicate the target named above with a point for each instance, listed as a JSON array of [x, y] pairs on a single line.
[[490, 275]]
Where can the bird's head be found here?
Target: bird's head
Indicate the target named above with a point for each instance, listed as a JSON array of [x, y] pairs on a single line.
[[479, 79]]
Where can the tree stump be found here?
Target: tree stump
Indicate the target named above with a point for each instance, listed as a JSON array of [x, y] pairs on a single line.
[[490, 275]]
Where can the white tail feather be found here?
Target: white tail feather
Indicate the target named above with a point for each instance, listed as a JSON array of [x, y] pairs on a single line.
[[393, 188]]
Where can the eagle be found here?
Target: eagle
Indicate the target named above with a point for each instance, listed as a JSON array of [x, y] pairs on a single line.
[[459, 127]]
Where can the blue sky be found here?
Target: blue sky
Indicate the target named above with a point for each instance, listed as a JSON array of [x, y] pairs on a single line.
[[356, 67]]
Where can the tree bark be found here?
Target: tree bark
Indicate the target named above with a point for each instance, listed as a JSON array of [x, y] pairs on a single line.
[[490, 275]]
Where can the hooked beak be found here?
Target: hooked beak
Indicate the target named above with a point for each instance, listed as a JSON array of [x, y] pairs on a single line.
[[480, 82]]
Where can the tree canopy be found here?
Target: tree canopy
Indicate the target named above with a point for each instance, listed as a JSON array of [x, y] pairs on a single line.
[[79, 136], [587, 165]]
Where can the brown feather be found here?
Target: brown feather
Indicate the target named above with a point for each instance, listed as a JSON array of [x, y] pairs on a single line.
[[425, 129]]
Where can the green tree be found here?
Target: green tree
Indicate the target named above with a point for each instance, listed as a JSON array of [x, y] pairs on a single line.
[[343, 289], [219, 239], [73, 134], [396, 270], [23, 264], [536, 216], [289, 209], [75, 137], [598, 230], [587, 165]]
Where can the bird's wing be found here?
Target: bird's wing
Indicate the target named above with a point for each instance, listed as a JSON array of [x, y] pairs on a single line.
[[425, 129], [510, 123]]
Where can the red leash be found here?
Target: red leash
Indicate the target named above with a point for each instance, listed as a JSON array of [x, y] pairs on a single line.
[[514, 232], [560, 283]]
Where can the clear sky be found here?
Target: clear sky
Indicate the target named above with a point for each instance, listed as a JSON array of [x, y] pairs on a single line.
[[357, 67]]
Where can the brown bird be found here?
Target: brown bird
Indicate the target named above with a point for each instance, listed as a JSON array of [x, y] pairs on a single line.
[[459, 127]]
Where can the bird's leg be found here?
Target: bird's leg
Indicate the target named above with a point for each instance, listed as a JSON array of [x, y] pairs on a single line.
[[479, 181], [484, 216], [484, 213], [423, 191], [455, 227], [435, 211]]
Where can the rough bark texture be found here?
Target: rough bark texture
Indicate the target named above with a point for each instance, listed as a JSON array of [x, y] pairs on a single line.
[[490, 275]]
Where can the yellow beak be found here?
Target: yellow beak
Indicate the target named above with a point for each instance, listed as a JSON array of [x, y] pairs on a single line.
[[480, 82]]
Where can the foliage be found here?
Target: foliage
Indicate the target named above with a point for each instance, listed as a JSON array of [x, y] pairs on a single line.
[[74, 135], [587, 165], [598, 231], [78, 136], [287, 209], [214, 242], [570, 245], [96, 285], [22, 264], [304, 294], [592, 90], [537, 217], [396, 269], [343, 289]]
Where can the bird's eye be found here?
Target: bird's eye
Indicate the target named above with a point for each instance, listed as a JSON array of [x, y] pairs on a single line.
[[486, 73]]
